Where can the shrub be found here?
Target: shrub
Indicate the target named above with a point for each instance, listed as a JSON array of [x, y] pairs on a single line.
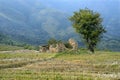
[[67, 45]]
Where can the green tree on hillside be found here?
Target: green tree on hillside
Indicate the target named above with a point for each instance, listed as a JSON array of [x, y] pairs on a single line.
[[89, 25], [52, 41]]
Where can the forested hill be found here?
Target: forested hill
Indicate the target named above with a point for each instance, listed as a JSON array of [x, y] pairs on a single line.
[[35, 21], [30, 21]]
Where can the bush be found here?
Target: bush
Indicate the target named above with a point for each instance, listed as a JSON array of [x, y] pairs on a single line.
[[67, 45], [36, 48], [52, 41]]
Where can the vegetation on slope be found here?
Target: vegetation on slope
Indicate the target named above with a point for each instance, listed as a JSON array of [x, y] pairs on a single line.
[[4, 47]]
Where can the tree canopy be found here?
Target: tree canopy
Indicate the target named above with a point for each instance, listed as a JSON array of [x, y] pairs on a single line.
[[89, 24]]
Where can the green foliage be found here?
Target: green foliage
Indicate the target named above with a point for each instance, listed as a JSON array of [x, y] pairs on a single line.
[[5, 40], [89, 25], [67, 45], [28, 47], [6, 43], [52, 41]]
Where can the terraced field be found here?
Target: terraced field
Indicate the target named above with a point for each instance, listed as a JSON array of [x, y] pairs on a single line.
[[32, 65]]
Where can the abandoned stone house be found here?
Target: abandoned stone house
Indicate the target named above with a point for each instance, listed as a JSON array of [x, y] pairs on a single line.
[[59, 47], [73, 43], [44, 48]]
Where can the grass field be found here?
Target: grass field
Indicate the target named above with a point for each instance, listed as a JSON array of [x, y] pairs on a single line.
[[4, 47], [32, 65]]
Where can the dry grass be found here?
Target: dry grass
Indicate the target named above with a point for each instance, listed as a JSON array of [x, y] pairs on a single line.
[[37, 66]]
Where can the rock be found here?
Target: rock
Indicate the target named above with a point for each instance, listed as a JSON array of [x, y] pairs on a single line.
[[59, 47], [43, 49], [52, 49], [73, 43]]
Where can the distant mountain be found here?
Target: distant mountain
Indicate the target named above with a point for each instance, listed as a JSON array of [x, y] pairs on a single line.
[[5, 40], [36, 21], [109, 11], [31, 22]]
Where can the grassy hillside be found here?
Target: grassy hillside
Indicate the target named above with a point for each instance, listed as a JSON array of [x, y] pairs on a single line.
[[32, 65], [9, 48]]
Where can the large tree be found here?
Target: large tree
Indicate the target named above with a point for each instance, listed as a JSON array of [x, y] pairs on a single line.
[[89, 25]]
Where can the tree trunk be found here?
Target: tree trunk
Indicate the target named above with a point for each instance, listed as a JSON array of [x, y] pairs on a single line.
[[91, 48]]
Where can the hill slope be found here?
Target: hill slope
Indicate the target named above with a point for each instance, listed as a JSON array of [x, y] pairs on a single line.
[[35, 21], [31, 23]]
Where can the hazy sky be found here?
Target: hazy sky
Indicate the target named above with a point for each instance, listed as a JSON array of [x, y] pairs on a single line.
[[82, 3]]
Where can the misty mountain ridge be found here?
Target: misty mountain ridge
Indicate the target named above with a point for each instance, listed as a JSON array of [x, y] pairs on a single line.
[[36, 21]]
